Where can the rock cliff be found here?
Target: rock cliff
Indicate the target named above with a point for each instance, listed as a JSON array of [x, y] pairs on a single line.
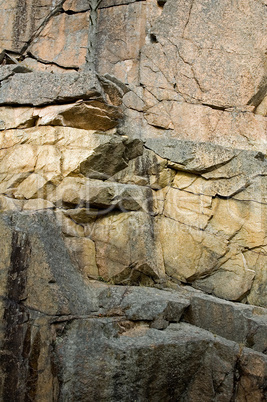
[[133, 200]]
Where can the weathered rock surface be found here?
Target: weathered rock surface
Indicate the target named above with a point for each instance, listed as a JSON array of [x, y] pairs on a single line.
[[196, 71], [61, 335], [19, 21], [43, 88], [133, 151], [63, 40], [190, 212], [190, 363]]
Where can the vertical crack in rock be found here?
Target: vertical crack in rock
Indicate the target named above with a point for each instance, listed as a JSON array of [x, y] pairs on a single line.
[[19, 21], [32, 377], [188, 19], [16, 342], [91, 44]]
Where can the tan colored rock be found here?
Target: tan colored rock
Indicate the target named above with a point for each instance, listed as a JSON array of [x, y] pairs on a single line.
[[233, 128], [133, 101], [21, 117], [63, 40], [199, 209], [24, 155], [70, 191], [30, 187], [262, 108], [118, 46], [133, 233], [202, 84], [93, 115], [83, 253], [9, 204], [68, 226], [232, 281], [35, 65], [45, 161], [52, 152], [243, 221], [187, 208], [82, 215], [188, 252], [215, 59], [37, 204], [76, 5], [19, 21], [62, 137]]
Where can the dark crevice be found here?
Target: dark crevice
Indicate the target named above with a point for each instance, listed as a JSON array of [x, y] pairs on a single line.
[[160, 127], [153, 38], [53, 63], [32, 375], [15, 319], [72, 12], [223, 108], [119, 5], [162, 3], [260, 94]]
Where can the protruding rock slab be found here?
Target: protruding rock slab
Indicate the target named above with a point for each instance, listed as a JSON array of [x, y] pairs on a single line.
[[40, 88], [238, 322], [90, 115], [181, 362], [196, 213]]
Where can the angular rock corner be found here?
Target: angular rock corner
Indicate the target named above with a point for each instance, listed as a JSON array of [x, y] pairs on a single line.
[[133, 198]]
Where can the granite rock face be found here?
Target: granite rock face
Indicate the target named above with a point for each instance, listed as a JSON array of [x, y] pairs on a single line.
[[179, 210], [62, 335], [195, 70], [133, 199]]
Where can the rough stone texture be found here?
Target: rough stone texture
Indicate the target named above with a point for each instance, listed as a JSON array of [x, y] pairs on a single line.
[[218, 61], [141, 260], [190, 212], [41, 88], [63, 41], [190, 363], [83, 200], [61, 335], [90, 115], [19, 20], [233, 128], [196, 71], [243, 324], [118, 46]]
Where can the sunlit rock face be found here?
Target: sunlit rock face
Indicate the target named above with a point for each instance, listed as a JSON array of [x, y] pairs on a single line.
[[133, 199]]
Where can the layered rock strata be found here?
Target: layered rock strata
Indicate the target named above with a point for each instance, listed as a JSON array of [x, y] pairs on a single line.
[[62, 336], [179, 210], [194, 70], [133, 152]]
